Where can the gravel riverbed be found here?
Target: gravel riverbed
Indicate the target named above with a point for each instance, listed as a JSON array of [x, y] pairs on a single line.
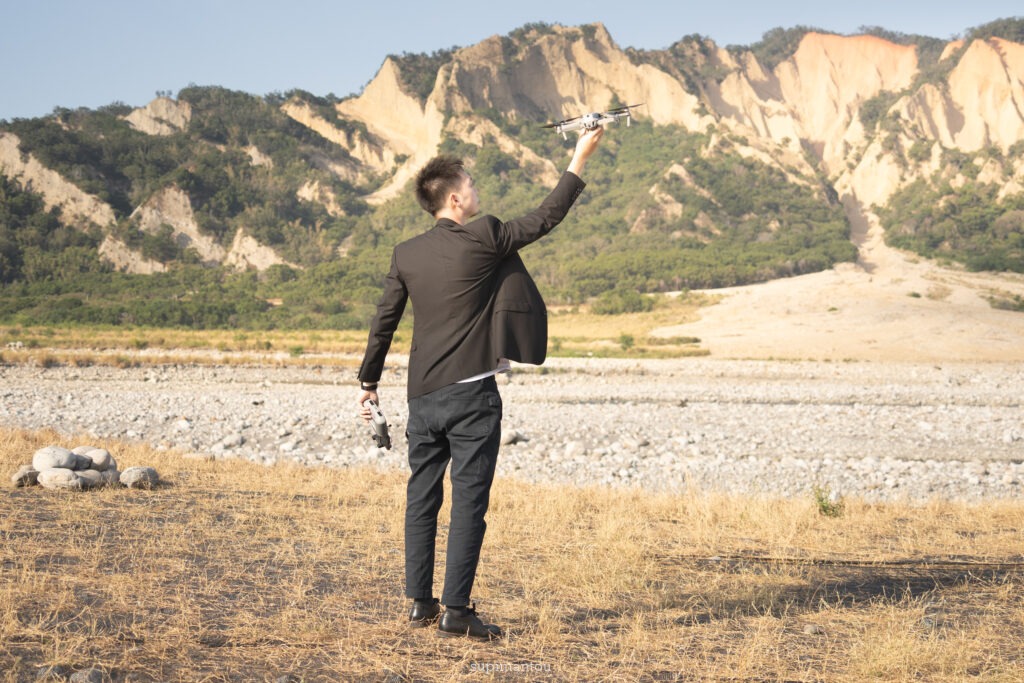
[[883, 431]]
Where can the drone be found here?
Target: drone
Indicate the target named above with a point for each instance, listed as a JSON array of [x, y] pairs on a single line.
[[593, 120]]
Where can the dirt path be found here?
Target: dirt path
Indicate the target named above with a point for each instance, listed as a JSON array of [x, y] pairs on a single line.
[[890, 305]]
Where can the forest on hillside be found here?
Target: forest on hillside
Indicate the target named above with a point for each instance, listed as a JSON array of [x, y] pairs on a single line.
[[764, 225], [731, 220]]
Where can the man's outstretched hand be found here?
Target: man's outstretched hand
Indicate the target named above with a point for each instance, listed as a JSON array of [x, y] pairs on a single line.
[[585, 146]]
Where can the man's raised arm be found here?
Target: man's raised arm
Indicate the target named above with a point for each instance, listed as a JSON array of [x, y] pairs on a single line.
[[516, 234]]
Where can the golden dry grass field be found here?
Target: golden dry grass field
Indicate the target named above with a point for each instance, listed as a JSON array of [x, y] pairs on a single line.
[[239, 572], [574, 331]]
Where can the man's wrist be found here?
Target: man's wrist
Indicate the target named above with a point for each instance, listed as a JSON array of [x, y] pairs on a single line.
[[368, 386]]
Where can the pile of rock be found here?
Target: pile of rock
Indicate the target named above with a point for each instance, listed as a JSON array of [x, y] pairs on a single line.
[[84, 467]]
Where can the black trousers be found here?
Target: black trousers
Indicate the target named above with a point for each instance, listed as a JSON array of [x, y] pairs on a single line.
[[460, 423]]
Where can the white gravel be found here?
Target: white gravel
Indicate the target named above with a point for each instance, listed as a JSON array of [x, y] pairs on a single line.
[[883, 431]]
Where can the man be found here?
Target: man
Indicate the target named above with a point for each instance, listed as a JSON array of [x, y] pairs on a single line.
[[475, 307]]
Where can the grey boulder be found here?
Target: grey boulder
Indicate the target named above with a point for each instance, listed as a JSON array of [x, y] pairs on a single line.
[[26, 476], [140, 477], [52, 457], [82, 462], [60, 478], [101, 460], [91, 479], [88, 676]]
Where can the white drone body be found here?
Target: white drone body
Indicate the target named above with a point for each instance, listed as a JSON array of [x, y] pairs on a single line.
[[592, 120]]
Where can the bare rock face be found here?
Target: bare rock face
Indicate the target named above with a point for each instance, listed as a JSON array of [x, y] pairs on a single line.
[[246, 253], [59, 478], [400, 121], [313, 191], [827, 78], [173, 207], [259, 158], [52, 457], [986, 85], [376, 157], [483, 132], [568, 70], [76, 207], [162, 116], [140, 478], [118, 254], [810, 101]]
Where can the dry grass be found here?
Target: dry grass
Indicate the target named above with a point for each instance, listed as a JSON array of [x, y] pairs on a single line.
[[141, 338], [576, 331], [124, 347], [127, 359], [573, 332], [239, 572]]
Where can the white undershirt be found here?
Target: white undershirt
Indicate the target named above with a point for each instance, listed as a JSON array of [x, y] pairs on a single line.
[[503, 366]]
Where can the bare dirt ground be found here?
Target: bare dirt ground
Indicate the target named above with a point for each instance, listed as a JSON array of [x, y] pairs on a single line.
[[889, 306]]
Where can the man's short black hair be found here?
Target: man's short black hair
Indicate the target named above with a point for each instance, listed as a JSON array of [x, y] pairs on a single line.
[[440, 176]]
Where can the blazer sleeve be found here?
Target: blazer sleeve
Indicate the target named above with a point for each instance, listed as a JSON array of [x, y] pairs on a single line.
[[514, 235], [384, 324]]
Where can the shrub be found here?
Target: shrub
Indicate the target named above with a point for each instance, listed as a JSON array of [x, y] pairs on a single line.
[[622, 301]]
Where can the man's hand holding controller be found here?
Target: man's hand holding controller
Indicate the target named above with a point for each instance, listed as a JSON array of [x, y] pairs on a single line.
[[370, 411], [380, 425]]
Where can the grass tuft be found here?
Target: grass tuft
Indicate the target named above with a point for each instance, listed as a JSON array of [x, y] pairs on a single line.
[[828, 505]]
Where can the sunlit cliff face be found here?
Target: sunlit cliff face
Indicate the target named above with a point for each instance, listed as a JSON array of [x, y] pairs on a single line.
[[808, 103]]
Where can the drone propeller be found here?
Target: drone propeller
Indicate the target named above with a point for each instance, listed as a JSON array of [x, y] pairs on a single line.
[[624, 108], [559, 123]]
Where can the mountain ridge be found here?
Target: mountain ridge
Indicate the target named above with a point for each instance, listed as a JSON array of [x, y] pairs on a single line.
[[852, 120]]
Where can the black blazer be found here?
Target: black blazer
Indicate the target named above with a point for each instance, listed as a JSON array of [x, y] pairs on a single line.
[[472, 297]]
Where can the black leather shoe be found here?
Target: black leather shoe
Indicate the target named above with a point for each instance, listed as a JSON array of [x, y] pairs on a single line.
[[424, 612], [465, 622]]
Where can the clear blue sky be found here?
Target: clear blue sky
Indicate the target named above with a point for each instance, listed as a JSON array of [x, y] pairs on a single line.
[[75, 53]]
